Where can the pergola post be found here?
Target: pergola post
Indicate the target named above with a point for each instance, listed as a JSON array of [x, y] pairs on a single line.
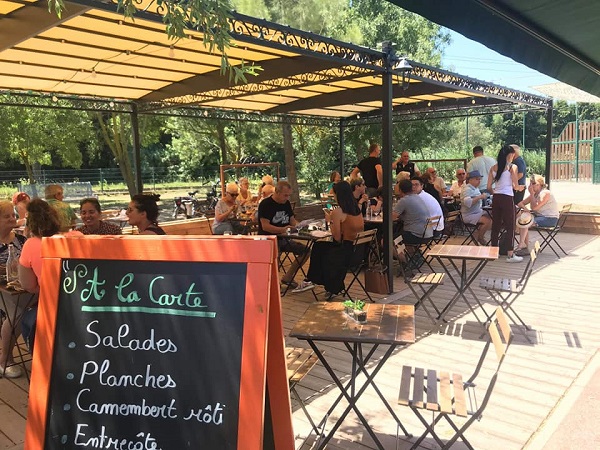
[[386, 161], [342, 149], [549, 118], [137, 163]]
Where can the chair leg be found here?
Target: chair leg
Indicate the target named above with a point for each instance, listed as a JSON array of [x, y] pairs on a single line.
[[297, 397]]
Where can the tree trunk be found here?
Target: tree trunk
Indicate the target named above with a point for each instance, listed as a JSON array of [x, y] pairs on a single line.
[[290, 168], [118, 141]]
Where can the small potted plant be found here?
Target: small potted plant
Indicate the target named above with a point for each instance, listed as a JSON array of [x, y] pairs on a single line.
[[354, 308]]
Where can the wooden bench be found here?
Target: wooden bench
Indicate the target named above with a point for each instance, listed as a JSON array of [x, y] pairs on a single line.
[[196, 226]]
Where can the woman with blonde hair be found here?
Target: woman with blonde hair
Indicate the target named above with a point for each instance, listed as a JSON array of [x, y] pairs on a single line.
[[225, 211], [14, 305], [544, 208]]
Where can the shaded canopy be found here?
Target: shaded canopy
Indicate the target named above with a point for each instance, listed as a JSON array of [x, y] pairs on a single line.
[[556, 37], [93, 52]]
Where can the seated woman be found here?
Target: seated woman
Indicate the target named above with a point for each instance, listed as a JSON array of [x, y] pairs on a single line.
[[329, 261], [245, 197], [42, 221], [544, 208], [143, 213], [266, 180], [15, 308], [334, 178], [225, 211], [20, 201], [91, 213]]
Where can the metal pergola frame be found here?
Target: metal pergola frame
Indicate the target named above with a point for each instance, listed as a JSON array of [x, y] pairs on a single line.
[[307, 78]]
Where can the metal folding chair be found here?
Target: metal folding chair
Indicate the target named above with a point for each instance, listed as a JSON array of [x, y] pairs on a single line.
[[505, 291], [548, 234], [364, 243], [299, 362], [446, 394], [416, 253], [427, 282]]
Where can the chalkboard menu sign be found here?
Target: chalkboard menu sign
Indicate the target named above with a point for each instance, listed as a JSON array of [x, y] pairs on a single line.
[[144, 348], [152, 354]]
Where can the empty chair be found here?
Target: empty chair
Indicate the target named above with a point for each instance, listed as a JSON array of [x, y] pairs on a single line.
[[426, 282], [446, 394], [364, 243], [505, 291], [299, 362]]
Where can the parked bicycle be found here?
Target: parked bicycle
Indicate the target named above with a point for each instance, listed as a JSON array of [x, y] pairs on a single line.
[[191, 206]]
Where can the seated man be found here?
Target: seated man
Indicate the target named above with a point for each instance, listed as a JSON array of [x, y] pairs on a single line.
[[413, 212], [433, 206], [457, 185], [544, 208], [275, 216], [359, 193], [471, 210]]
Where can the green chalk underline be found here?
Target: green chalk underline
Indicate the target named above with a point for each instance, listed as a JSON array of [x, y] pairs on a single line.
[[147, 310]]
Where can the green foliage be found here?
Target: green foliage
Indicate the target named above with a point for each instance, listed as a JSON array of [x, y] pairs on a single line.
[[354, 304], [35, 136]]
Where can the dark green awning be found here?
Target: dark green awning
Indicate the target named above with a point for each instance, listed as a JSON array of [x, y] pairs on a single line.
[[556, 37]]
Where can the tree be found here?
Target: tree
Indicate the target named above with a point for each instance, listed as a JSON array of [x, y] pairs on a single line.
[[115, 130], [32, 135]]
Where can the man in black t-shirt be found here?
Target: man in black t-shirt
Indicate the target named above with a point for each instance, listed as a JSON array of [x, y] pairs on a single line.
[[371, 170], [276, 217]]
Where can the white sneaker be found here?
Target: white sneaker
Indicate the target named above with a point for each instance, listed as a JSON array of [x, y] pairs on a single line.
[[11, 372], [514, 259], [304, 286]]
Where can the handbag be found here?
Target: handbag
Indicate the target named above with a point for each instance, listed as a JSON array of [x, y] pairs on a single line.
[[376, 280]]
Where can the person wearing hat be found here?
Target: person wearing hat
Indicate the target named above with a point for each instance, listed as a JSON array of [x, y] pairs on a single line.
[[471, 200], [542, 211]]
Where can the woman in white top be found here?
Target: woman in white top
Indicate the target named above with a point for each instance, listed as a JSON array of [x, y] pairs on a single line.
[[544, 207], [504, 174]]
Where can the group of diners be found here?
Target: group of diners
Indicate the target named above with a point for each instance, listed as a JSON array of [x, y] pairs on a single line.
[[45, 218]]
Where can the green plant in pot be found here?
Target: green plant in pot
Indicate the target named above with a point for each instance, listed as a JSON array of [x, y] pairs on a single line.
[[355, 309]]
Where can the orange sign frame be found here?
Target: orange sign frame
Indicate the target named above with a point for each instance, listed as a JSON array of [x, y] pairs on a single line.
[[263, 357]]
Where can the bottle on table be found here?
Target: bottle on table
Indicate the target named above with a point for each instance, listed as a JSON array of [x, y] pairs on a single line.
[[12, 264]]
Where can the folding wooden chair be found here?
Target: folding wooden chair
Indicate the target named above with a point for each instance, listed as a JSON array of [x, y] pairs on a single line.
[[447, 394], [548, 234], [505, 291], [364, 243], [427, 282], [470, 229], [299, 362], [416, 253]]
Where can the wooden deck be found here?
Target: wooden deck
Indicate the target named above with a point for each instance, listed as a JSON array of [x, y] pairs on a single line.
[[560, 304]]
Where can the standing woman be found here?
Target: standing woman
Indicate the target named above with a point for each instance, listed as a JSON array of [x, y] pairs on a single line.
[[8, 221], [143, 213], [91, 213], [330, 260], [504, 174]]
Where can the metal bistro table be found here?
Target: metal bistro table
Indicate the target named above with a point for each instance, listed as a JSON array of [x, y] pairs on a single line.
[[305, 239], [454, 254], [390, 325], [14, 303]]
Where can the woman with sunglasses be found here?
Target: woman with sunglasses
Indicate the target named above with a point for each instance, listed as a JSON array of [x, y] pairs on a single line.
[[226, 210]]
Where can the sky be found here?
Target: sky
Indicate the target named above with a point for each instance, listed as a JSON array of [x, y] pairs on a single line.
[[474, 60]]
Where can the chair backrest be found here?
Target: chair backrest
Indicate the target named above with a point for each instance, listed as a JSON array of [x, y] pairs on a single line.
[[363, 243], [431, 224], [500, 337], [399, 249], [562, 216]]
